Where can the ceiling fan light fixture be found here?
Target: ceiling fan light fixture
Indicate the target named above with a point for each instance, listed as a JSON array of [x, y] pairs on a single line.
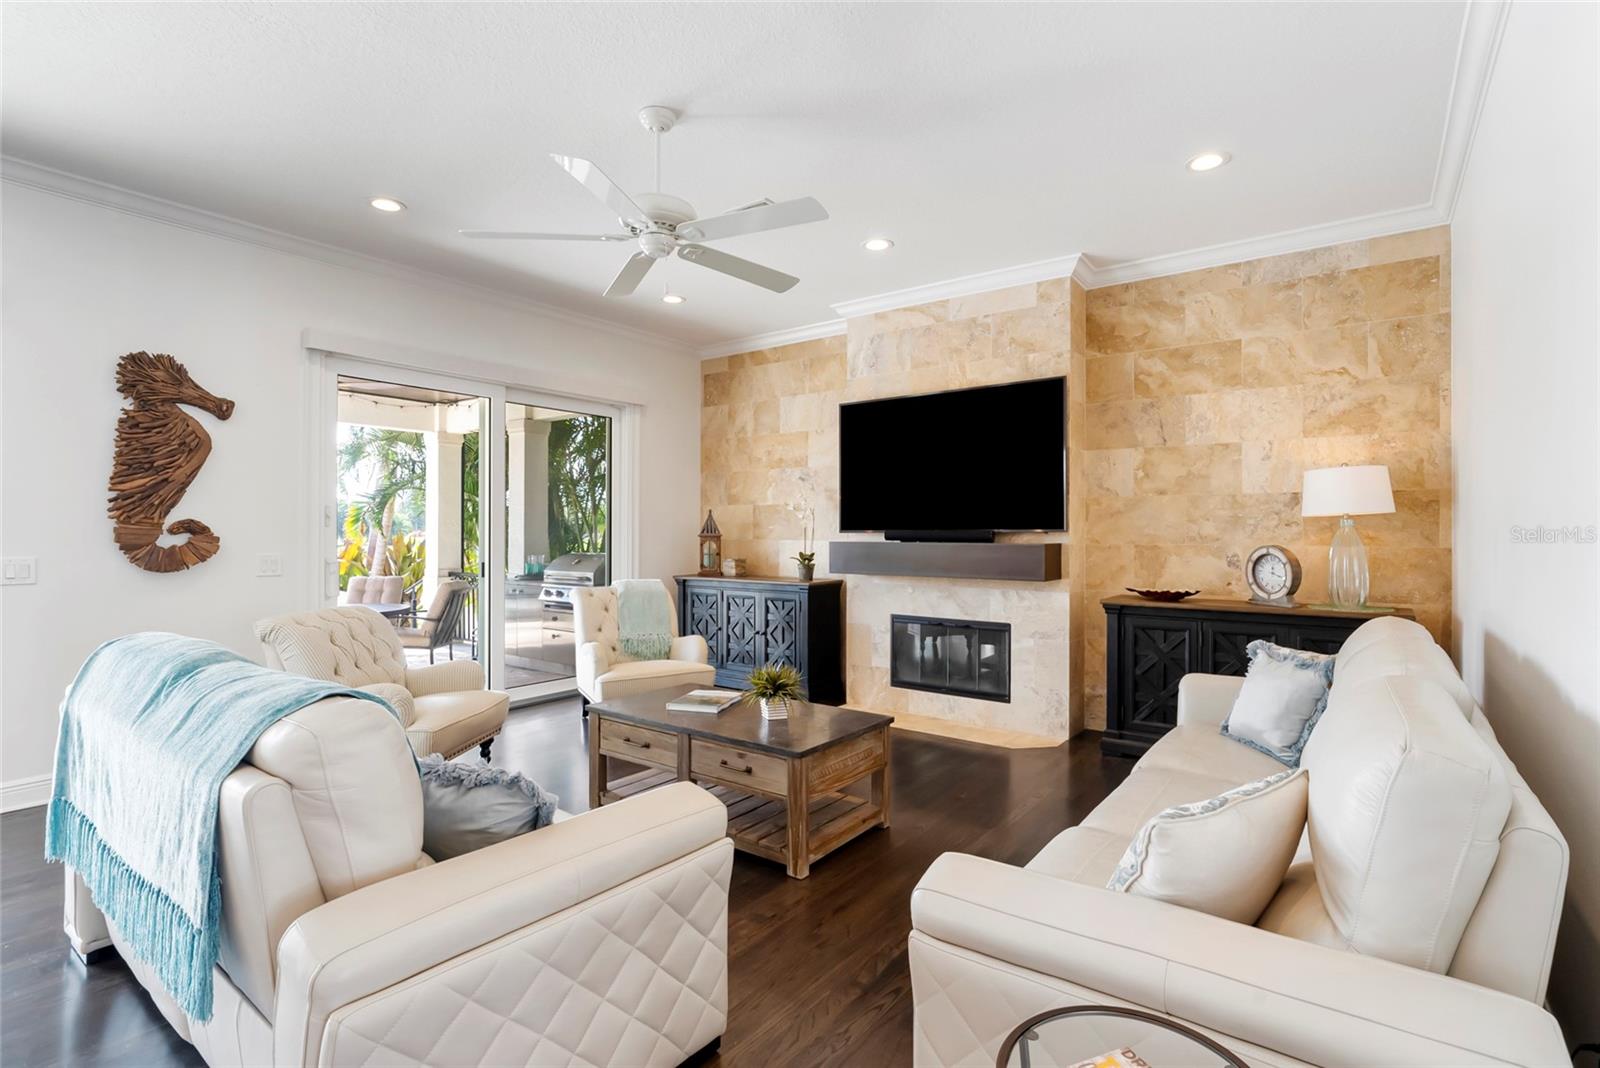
[[1207, 161], [877, 244], [388, 204]]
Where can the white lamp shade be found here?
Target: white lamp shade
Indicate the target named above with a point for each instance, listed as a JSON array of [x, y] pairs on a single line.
[[1360, 490]]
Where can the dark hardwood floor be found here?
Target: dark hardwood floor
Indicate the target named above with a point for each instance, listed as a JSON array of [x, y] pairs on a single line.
[[818, 972]]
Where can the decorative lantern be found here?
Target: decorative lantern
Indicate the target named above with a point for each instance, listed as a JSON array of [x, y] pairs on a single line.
[[710, 547]]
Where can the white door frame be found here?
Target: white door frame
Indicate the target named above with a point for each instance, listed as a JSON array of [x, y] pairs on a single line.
[[330, 355]]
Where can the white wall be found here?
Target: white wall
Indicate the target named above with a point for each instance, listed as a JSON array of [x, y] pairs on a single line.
[[84, 284], [1525, 407]]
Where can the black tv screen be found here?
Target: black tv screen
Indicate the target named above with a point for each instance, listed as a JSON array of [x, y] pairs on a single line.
[[991, 458]]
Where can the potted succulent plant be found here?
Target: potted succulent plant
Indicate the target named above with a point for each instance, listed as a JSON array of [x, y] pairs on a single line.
[[773, 687]]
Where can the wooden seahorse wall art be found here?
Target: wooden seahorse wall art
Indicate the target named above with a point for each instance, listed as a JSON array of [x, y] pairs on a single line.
[[160, 450]]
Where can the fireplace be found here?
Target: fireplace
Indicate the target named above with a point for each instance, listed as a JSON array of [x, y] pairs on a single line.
[[963, 657]]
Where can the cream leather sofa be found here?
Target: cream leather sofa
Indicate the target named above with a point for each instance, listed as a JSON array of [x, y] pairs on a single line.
[[443, 707], [604, 670], [601, 939], [1415, 926]]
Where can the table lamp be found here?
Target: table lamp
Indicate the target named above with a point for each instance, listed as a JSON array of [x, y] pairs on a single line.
[[1345, 492]]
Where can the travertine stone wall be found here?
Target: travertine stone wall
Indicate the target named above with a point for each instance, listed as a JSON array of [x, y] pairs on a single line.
[[1195, 402], [769, 441], [1209, 392]]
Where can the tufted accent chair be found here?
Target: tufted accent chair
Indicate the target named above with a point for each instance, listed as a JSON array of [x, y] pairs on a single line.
[[601, 939], [443, 707], [604, 670], [374, 589]]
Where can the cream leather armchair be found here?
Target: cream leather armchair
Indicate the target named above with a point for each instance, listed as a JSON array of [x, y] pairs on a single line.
[[601, 939], [1414, 928], [443, 707], [604, 670]]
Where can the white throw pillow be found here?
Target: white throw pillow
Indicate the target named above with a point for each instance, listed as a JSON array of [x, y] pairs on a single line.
[[1284, 693], [1226, 856]]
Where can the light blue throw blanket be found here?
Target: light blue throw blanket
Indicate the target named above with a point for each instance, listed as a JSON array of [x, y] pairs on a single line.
[[644, 619], [151, 726]]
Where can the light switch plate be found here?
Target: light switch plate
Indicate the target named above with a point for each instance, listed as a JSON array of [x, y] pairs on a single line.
[[269, 565], [19, 571]]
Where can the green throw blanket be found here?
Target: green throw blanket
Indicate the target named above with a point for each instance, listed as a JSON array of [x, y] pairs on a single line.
[[151, 726], [644, 619]]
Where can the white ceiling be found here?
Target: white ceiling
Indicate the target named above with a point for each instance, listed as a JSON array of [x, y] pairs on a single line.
[[978, 136]]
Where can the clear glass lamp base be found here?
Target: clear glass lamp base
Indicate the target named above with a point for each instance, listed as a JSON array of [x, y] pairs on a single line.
[[1347, 567]]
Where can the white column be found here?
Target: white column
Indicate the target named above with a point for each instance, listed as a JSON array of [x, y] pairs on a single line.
[[442, 506], [527, 491]]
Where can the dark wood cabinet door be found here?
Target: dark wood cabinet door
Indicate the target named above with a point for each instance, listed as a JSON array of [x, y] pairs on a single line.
[[781, 630], [1160, 653], [705, 619], [1226, 645], [741, 629], [1324, 639]]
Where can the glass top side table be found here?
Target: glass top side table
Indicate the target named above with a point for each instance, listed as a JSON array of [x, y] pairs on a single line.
[[1104, 1036]]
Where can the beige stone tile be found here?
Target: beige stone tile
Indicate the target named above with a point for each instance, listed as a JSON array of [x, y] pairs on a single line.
[[1434, 241], [779, 450], [1332, 300], [1108, 378], [1444, 282], [1043, 328], [1122, 424], [1393, 290], [713, 365], [1413, 524], [1187, 369], [1240, 523], [1187, 469], [1211, 418], [1414, 346], [1341, 352], [1269, 361], [1055, 291], [1109, 472], [907, 318], [826, 372], [716, 388], [1134, 327], [1268, 414], [993, 302], [1407, 576], [1370, 407], [1271, 466], [880, 354], [1294, 266], [1233, 313], [1169, 567]]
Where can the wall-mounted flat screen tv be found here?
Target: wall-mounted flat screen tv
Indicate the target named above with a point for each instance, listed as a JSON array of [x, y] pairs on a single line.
[[965, 460]]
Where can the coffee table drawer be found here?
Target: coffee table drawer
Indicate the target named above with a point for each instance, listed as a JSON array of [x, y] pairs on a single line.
[[738, 767], [638, 744]]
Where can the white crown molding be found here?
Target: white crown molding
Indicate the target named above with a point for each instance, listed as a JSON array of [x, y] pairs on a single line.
[[964, 286], [774, 338], [141, 205], [1482, 30], [25, 793]]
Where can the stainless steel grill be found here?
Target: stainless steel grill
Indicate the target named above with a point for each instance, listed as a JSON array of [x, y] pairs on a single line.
[[567, 573]]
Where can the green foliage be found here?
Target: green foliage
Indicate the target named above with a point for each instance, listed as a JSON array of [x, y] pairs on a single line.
[[805, 559], [353, 551], [774, 682], [580, 485], [471, 533]]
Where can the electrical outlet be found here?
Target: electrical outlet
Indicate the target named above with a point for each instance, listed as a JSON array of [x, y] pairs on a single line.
[[19, 571], [269, 565]]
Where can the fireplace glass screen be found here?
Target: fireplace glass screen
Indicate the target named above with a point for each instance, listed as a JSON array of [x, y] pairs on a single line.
[[955, 656]]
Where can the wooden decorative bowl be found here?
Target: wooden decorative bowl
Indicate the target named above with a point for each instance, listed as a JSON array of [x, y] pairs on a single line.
[[1162, 595]]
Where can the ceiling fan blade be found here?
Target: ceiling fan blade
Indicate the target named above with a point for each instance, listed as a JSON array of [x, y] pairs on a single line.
[[632, 273], [522, 235], [742, 269], [596, 182], [754, 220]]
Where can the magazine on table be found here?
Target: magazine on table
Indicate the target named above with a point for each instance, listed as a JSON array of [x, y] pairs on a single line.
[[711, 701]]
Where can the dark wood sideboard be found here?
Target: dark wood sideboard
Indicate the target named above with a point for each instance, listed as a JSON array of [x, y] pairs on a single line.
[[752, 621], [1151, 645]]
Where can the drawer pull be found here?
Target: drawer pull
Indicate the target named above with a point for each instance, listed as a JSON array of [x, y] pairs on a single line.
[[746, 770], [637, 745]]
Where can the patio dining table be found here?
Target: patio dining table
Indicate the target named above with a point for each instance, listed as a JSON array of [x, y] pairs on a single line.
[[391, 610]]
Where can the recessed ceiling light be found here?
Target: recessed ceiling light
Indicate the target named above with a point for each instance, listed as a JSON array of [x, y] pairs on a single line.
[[387, 204], [877, 244], [672, 298], [1208, 161]]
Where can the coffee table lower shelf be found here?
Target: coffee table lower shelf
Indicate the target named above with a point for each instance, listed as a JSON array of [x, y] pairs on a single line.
[[759, 824]]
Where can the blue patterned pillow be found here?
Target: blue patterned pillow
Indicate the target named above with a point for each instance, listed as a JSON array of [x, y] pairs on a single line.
[[1284, 694]]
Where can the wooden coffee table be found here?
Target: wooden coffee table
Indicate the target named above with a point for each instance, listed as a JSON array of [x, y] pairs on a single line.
[[765, 771]]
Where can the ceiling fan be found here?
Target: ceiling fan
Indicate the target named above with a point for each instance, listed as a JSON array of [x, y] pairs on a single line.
[[662, 224]]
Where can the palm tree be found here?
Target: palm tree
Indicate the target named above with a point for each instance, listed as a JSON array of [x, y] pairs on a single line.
[[399, 464]]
